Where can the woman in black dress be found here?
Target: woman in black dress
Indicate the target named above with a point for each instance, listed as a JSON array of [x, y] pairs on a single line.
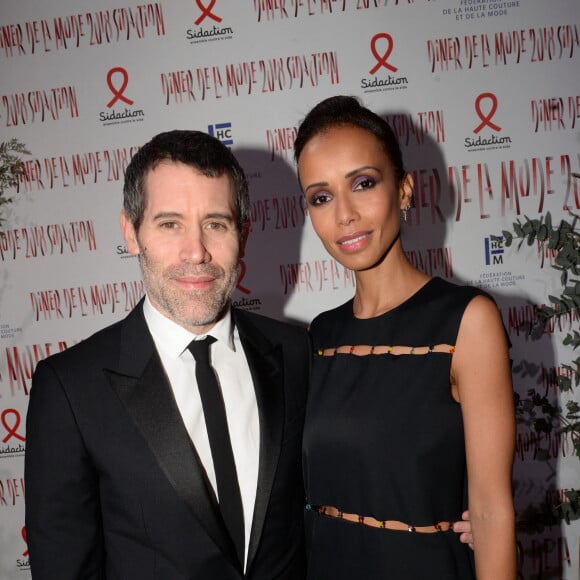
[[410, 416]]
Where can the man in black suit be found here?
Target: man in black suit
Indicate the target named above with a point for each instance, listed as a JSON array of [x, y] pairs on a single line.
[[123, 477]]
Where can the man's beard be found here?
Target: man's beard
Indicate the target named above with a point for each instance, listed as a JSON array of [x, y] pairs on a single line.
[[188, 308]]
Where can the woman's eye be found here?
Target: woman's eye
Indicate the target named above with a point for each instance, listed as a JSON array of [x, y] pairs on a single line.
[[319, 198], [364, 182]]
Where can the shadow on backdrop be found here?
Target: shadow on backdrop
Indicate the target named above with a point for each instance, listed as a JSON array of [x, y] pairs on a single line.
[[271, 269]]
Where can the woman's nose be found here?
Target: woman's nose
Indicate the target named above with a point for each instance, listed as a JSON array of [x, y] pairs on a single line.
[[345, 212]]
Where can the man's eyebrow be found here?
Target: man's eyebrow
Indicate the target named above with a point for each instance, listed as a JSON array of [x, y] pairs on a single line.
[[167, 214], [220, 215], [175, 214]]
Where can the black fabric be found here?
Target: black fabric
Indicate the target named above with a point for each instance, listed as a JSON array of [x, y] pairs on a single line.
[[114, 486], [148, 400], [230, 500], [384, 438]]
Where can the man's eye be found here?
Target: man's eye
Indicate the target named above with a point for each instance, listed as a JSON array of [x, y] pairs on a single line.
[[168, 225], [216, 226]]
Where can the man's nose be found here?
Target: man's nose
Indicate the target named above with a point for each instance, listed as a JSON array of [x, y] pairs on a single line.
[[193, 248]]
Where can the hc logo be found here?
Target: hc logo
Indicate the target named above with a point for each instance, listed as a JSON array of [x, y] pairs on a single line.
[[493, 250], [221, 131]]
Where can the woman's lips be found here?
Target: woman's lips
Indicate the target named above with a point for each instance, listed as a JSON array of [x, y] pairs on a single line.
[[354, 241]]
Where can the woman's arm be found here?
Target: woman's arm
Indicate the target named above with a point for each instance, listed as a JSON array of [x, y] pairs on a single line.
[[481, 380]]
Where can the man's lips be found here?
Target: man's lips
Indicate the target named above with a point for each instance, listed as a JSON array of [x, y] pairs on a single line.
[[195, 282]]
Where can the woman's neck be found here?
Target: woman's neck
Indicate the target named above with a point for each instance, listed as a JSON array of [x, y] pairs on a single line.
[[383, 288]]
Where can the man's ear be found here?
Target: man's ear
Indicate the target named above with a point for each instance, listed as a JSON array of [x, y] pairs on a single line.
[[129, 234]]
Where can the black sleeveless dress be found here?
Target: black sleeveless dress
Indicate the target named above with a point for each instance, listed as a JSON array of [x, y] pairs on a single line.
[[384, 438]]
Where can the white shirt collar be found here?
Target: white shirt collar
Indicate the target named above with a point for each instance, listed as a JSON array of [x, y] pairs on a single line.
[[175, 339]]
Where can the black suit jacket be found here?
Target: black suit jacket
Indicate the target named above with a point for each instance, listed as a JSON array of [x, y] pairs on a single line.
[[114, 486]]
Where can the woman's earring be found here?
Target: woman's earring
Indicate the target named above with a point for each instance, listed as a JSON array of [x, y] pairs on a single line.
[[405, 210]]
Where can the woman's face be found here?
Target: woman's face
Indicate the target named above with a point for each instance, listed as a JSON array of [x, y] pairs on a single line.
[[353, 199]]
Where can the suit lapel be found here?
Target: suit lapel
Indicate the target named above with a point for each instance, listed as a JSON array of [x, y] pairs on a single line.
[[144, 389], [265, 362]]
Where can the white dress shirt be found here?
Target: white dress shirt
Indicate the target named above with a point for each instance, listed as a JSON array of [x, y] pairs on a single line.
[[231, 366]]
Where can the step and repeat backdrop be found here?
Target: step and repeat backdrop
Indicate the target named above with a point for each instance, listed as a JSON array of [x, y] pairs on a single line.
[[484, 96]]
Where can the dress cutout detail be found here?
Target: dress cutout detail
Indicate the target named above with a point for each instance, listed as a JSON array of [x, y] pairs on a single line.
[[368, 349], [384, 439]]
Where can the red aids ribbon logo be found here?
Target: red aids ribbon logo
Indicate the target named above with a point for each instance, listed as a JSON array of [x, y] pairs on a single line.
[[118, 93], [239, 286], [382, 60], [23, 534], [206, 12], [486, 118], [12, 429]]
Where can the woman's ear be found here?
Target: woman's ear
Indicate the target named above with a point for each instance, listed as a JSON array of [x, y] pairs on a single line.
[[406, 191]]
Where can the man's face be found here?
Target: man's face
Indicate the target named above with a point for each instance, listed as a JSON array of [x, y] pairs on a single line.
[[188, 243]]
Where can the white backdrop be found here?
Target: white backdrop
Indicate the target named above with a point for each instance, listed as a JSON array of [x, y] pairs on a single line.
[[483, 94]]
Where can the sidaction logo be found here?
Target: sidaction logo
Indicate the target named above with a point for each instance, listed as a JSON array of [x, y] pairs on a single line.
[[381, 48], [486, 106], [122, 251], [23, 563], [117, 83], [206, 12], [13, 441], [213, 32], [240, 283], [245, 301]]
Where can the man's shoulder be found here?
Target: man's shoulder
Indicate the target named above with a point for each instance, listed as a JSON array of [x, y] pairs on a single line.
[[102, 345], [267, 325]]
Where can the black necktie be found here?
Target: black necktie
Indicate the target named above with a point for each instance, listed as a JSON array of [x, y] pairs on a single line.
[[219, 440]]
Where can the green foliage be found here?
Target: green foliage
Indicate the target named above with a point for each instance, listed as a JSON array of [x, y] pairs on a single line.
[[536, 410], [10, 168]]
